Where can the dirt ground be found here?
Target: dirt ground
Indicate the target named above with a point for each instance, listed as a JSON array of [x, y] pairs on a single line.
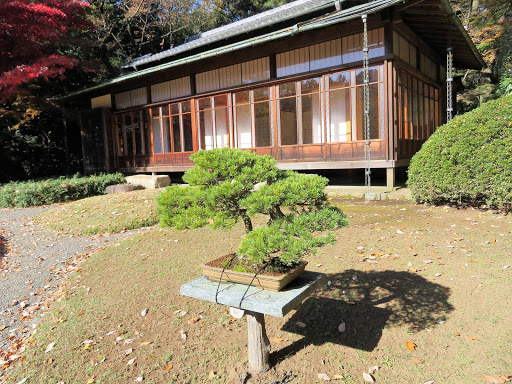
[[424, 294]]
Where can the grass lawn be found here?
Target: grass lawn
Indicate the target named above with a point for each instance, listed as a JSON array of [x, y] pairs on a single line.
[[106, 213], [400, 273]]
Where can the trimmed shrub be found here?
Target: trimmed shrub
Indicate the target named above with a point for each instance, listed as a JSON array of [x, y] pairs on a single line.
[[468, 160], [59, 190]]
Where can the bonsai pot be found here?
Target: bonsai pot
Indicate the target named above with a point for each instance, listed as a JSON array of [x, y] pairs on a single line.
[[272, 282]]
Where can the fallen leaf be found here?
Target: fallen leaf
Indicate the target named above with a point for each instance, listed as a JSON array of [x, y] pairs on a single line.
[[183, 335], [87, 347], [301, 324], [369, 378], [144, 343], [81, 312], [168, 368], [276, 340], [91, 380], [342, 327], [144, 312], [2, 327], [132, 361], [473, 338], [49, 347], [496, 379], [410, 346], [416, 361], [323, 376], [211, 375], [128, 351], [373, 369], [194, 320]]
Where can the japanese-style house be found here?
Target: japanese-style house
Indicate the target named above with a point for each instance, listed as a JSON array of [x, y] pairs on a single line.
[[288, 83]]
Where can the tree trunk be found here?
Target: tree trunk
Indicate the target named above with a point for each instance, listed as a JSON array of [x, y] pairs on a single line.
[[247, 221], [275, 213]]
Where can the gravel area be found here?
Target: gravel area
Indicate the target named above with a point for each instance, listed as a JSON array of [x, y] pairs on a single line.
[[33, 263]]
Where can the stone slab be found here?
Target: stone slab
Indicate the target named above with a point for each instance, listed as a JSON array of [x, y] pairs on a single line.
[[149, 181], [120, 188], [256, 299]]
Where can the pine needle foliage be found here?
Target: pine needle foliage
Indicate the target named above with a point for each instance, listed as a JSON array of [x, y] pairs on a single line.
[[229, 185]]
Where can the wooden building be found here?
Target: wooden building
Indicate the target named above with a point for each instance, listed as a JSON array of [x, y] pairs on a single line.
[[287, 83]]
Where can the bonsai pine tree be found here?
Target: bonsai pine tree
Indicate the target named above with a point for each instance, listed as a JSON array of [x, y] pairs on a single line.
[[229, 185]]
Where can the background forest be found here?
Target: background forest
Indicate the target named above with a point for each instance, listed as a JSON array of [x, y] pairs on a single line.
[[52, 47]]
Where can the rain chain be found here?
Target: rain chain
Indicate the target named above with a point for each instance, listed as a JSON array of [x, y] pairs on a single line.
[[366, 106], [449, 83]]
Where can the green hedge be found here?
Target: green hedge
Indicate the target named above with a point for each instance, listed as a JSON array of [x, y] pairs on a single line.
[[468, 160], [32, 193]]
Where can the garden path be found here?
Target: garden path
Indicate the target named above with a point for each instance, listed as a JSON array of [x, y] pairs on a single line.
[[33, 263]]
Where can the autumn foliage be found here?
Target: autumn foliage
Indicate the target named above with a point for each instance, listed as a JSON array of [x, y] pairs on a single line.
[[32, 33]]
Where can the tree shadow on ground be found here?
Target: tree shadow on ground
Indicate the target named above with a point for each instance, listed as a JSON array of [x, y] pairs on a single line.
[[367, 302]]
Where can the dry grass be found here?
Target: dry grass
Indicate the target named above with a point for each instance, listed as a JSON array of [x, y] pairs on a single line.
[[432, 276], [101, 214]]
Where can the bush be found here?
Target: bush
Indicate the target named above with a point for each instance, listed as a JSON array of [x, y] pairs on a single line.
[[468, 160], [228, 185], [32, 193]]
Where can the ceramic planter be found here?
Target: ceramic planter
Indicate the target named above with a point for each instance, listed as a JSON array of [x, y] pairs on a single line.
[[271, 283]]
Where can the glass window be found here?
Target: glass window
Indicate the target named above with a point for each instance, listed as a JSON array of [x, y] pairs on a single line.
[[339, 115], [157, 138], [206, 129], [261, 94], [166, 133], [288, 121], [138, 132], [262, 124], [175, 109], [287, 89], [185, 107], [243, 126], [221, 101], [310, 85], [373, 75], [129, 134], [311, 119], [339, 80], [222, 127], [187, 132], [147, 131], [120, 135], [242, 97], [205, 103], [374, 112], [176, 133]]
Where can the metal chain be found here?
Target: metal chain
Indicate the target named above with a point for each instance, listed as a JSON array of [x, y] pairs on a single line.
[[449, 84], [366, 107]]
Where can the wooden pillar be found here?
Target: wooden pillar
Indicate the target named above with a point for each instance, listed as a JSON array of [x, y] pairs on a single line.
[[258, 343], [390, 177]]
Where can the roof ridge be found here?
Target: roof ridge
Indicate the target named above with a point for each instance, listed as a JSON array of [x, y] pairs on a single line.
[[251, 23]]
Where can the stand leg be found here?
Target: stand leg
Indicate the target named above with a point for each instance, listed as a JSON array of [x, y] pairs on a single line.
[[258, 343]]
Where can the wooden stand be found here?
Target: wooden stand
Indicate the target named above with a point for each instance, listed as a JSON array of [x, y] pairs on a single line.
[[258, 343], [255, 303]]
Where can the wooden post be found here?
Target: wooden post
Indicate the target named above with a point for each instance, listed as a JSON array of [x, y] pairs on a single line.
[[258, 343], [390, 177]]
